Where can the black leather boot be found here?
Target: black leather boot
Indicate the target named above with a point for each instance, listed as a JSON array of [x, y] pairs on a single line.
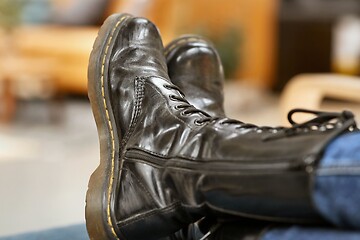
[[195, 67], [126, 48], [165, 164]]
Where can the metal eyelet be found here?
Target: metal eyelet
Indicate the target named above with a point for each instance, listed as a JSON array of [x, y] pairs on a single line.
[[274, 130], [323, 128], [184, 114], [172, 97], [314, 128], [198, 122], [167, 86], [177, 107]]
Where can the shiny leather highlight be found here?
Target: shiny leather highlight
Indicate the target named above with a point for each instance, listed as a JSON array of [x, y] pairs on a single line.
[[195, 67]]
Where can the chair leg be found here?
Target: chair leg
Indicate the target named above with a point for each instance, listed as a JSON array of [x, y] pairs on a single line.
[[7, 101]]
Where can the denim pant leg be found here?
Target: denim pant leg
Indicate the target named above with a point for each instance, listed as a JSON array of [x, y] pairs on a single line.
[[307, 233], [336, 192], [248, 229], [73, 232]]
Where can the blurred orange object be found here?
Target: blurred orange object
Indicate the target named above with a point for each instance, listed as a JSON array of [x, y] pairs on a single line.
[[66, 50]]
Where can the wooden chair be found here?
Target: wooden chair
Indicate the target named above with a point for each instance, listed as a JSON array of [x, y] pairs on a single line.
[[309, 90]]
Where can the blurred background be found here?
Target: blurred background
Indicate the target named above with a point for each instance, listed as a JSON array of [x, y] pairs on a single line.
[[277, 54]]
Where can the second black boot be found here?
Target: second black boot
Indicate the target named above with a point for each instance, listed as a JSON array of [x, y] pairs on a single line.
[[195, 67]]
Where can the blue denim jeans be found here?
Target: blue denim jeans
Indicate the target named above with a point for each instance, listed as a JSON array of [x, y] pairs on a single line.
[[336, 190], [73, 232], [307, 233]]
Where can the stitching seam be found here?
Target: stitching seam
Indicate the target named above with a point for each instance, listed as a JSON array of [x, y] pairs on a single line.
[[333, 171], [139, 96], [210, 160], [111, 180], [142, 216], [140, 183]]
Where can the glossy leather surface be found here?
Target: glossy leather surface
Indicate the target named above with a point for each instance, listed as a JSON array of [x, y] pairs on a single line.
[[178, 165], [134, 47], [195, 67], [240, 230]]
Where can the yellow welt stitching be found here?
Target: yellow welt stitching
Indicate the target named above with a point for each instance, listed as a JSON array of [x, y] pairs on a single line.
[[112, 135], [111, 181]]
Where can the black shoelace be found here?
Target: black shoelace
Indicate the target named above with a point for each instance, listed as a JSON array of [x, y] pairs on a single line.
[[242, 125], [186, 108], [321, 122]]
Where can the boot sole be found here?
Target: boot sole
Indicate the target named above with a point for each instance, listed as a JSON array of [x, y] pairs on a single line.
[[100, 222]]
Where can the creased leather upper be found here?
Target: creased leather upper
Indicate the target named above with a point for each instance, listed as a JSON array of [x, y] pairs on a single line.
[[170, 134], [136, 54]]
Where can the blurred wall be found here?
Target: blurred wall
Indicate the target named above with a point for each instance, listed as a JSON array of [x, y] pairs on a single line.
[[244, 31]]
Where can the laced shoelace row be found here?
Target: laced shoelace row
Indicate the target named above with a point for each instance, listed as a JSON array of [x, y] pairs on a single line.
[[188, 109], [241, 125], [185, 107], [322, 121]]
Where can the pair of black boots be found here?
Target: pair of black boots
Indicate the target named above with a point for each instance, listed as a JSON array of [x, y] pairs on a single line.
[[170, 157]]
